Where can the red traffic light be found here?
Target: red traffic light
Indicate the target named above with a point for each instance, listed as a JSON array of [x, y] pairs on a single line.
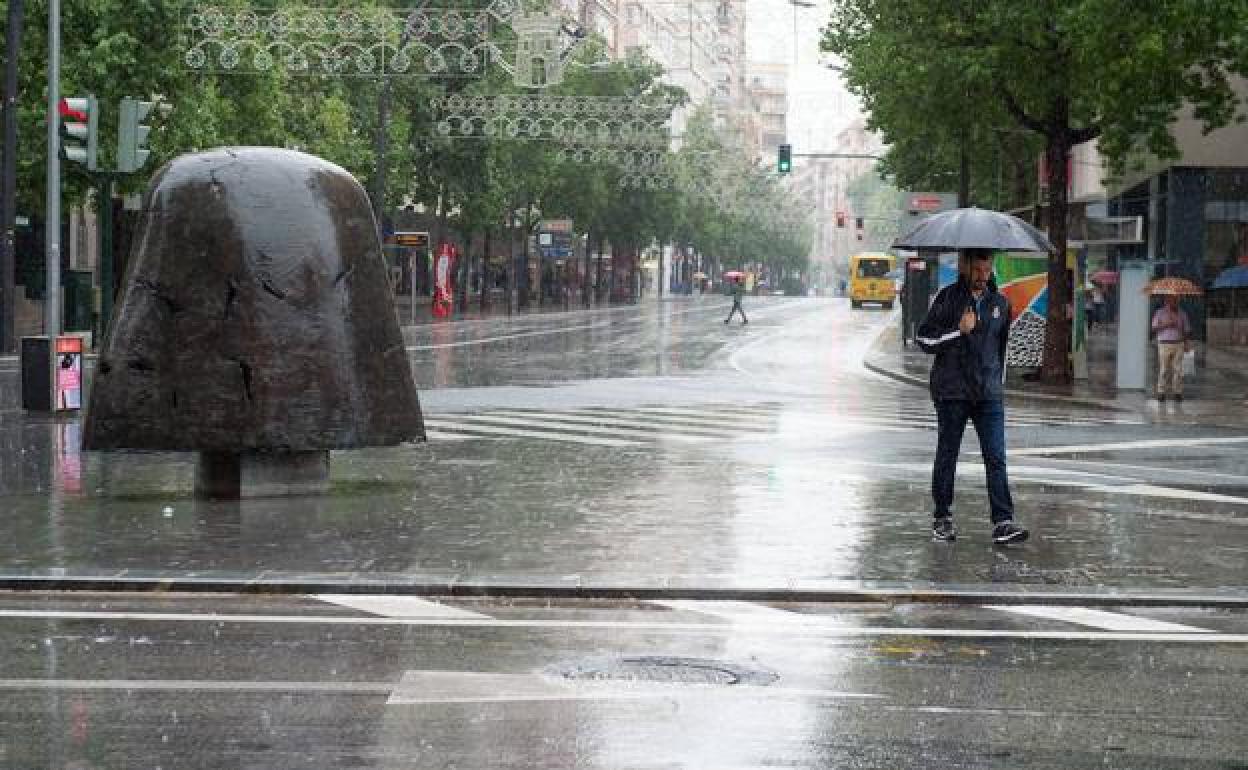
[[70, 113], [840, 219]]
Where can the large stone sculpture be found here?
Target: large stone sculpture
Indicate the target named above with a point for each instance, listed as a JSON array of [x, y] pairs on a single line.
[[255, 325]]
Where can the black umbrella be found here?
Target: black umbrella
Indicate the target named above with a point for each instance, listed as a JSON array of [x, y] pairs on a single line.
[[974, 228]]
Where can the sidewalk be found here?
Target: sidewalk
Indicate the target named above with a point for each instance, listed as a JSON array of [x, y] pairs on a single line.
[[1219, 386]]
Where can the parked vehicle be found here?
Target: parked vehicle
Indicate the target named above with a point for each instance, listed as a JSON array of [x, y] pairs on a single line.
[[870, 279]]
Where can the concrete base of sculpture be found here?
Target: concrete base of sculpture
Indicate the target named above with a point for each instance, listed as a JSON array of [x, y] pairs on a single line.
[[242, 475]]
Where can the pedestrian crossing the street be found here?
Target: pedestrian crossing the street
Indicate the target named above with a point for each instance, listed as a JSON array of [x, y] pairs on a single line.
[[715, 423]]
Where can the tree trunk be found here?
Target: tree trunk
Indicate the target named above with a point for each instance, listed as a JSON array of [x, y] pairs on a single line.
[[586, 300], [1055, 367], [964, 170], [485, 271], [509, 275], [524, 269], [598, 287], [463, 271]]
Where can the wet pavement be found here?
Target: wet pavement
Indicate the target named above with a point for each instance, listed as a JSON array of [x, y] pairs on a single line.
[[654, 446], [529, 588], [111, 681]]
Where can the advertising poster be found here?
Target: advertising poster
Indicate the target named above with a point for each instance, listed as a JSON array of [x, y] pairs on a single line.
[[68, 373]]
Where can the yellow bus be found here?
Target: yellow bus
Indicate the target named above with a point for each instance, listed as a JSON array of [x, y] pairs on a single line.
[[869, 279]]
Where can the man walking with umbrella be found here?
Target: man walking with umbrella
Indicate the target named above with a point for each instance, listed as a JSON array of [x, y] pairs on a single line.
[[967, 328], [738, 291], [1173, 330]]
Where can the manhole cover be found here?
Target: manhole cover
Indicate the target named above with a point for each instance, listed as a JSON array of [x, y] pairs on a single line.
[[669, 670]]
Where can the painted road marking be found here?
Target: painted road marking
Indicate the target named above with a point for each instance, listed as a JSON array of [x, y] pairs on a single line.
[[577, 429], [440, 436], [1160, 443], [636, 421], [430, 687], [505, 337], [739, 612], [816, 627], [394, 606], [207, 685], [606, 324], [1063, 477], [451, 425], [1109, 621]]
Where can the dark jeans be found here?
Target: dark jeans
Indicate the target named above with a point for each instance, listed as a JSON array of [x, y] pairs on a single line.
[[736, 308], [989, 420]]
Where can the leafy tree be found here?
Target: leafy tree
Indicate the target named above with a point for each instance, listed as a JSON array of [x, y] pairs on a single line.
[[1067, 71]]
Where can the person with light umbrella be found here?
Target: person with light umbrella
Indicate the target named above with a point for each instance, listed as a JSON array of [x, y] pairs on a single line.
[[967, 328], [1173, 330]]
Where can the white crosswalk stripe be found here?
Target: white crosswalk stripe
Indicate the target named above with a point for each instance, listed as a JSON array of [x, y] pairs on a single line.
[[708, 423]]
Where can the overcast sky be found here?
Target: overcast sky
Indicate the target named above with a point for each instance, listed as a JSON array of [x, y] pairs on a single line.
[[819, 105]]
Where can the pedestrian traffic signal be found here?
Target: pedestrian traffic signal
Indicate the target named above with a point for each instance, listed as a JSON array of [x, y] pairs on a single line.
[[840, 219], [784, 158], [858, 222], [79, 130], [132, 151]]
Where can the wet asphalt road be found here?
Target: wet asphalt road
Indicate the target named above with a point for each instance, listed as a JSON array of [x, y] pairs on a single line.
[[99, 681], [647, 446], [657, 444]]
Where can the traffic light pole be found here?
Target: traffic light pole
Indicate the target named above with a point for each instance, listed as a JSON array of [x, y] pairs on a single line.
[[105, 203], [852, 155], [8, 178], [52, 282]]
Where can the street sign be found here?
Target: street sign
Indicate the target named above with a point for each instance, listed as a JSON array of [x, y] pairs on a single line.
[[554, 245], [555, 226], [413, 239], [924, 203]]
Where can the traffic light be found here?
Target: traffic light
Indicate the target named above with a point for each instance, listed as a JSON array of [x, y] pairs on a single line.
[[132, 151], [79, 130], [858, 222], [840, 219], [784, 158]]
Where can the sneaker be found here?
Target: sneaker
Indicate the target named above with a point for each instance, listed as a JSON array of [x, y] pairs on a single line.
[[943, 529], [1008, 532]]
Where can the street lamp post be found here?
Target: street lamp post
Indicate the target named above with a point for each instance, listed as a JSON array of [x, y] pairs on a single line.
[[52, 287], [797, 4]]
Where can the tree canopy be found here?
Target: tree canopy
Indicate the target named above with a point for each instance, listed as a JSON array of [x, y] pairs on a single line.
[[941, 76], [118, 48]]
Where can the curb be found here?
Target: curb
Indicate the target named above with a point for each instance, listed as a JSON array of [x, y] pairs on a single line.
[[402, 585], [1013, 392]]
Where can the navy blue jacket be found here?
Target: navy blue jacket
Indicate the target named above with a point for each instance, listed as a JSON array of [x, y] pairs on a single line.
[[967, 367]]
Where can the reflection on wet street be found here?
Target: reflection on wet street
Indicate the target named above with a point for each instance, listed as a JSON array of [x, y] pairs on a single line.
[[656, 443], [648, 452]]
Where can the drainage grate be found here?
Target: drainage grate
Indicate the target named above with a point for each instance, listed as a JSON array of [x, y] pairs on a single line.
[[667, 670]]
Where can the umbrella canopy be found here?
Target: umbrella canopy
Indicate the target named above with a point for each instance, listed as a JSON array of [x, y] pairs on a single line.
[[974, 228], [699, 275], [1232, 278], [1105, 276], [1179, 287], [734, 274]]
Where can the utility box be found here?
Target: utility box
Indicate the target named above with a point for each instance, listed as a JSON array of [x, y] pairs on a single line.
[[52, 374], [916, 294]]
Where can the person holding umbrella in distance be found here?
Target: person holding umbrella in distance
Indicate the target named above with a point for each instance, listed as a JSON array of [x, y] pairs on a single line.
[[967, 328], [738, 291]]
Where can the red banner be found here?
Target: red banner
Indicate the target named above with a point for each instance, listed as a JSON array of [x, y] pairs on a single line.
[[443, 280]]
